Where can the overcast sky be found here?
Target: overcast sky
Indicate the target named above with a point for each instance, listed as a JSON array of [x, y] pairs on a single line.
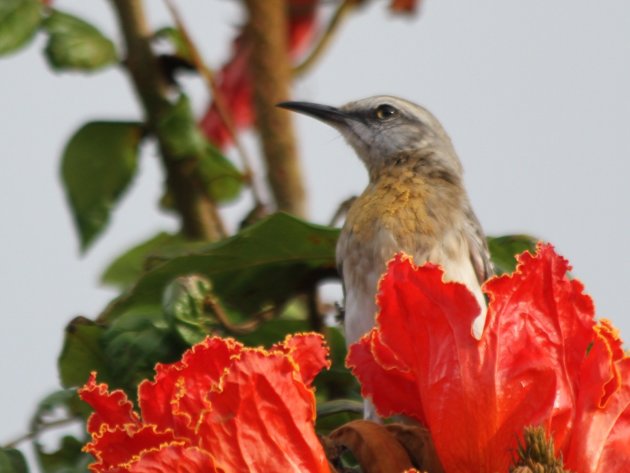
[[535, 95]]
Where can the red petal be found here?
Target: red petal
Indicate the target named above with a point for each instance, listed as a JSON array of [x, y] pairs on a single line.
[[262, 419], [400, 396], [308, 351], [175, 459], [177, 396], [600, 441], [118, 447], [111, 409], [479, 395]]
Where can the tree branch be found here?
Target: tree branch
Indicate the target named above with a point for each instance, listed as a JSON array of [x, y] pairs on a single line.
[[223, 110], [270, 70], [199, 215], [340, 14]]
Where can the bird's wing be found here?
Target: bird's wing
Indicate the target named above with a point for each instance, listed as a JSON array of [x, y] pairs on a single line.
[[478, 247]]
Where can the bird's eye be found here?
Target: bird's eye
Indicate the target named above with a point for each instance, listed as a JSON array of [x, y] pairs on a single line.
[[384, 111]]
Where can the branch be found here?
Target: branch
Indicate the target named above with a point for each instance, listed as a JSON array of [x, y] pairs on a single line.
[[199, 215], [270, 70], [40, 428], [340, 14], [223, 110]]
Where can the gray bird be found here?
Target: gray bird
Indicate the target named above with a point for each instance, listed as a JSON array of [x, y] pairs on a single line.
[[415, 202]]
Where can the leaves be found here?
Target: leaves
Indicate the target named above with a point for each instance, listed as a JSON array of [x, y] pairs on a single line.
[[503, 251], [223, 181], [82, 352], [266, 263], [68, 457], [19, 21], [135, 342], [74, 44], [184, 307], [98, 164], [127, 268], [12, 461], [183, 139], [174, 36]]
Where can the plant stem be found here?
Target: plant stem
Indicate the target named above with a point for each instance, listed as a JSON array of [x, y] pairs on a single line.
[[340, 14], [223, 110], [41, 428], [199, 215], [270, 70]]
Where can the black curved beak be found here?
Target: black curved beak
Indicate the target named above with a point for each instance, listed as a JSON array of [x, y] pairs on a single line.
[[325, 113]]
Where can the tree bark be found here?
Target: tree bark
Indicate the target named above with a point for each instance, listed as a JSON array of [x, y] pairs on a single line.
[[271, 72], [199, 215]]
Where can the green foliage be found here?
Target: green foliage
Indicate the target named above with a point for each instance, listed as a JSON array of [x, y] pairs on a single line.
[[127, 267], [98, 164], [179, 131], [19, 21], [183, 305], [265, 264], [503, 250], [174, 36], [74, 44], [82, 353], [12, 461], [273, 331], [67, 458], [221, 179], [134, 342], [183, 139]]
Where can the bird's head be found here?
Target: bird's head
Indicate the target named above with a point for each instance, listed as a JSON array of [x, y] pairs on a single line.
[[381, 128]]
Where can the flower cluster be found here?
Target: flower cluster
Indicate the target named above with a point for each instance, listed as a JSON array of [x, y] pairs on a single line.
[[542, 360], [222, 408]]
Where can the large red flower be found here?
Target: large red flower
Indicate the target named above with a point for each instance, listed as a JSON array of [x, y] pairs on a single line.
[[541, 360], [222, 408]]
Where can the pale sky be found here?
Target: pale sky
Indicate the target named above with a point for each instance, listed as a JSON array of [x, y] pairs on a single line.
[[535, 95]]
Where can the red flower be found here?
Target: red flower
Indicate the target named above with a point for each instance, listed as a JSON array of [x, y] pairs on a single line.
[[542, 360], [222, 408]]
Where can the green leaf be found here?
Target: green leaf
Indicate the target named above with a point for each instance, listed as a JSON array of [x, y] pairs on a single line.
[[179, 131], [12, 461], [19, 21], [266, 263], [127, 268], [184, 307], [74, 44], [223, 181], [82, 353], [98, 164], [135, 342], [174, 36], [503, 250], [338, 381], [68, 458], [273, 331], [182, 139]]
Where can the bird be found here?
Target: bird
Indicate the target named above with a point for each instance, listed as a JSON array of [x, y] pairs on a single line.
[[415, 202]]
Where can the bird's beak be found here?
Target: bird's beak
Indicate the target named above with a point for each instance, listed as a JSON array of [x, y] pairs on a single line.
[[329, 115]]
